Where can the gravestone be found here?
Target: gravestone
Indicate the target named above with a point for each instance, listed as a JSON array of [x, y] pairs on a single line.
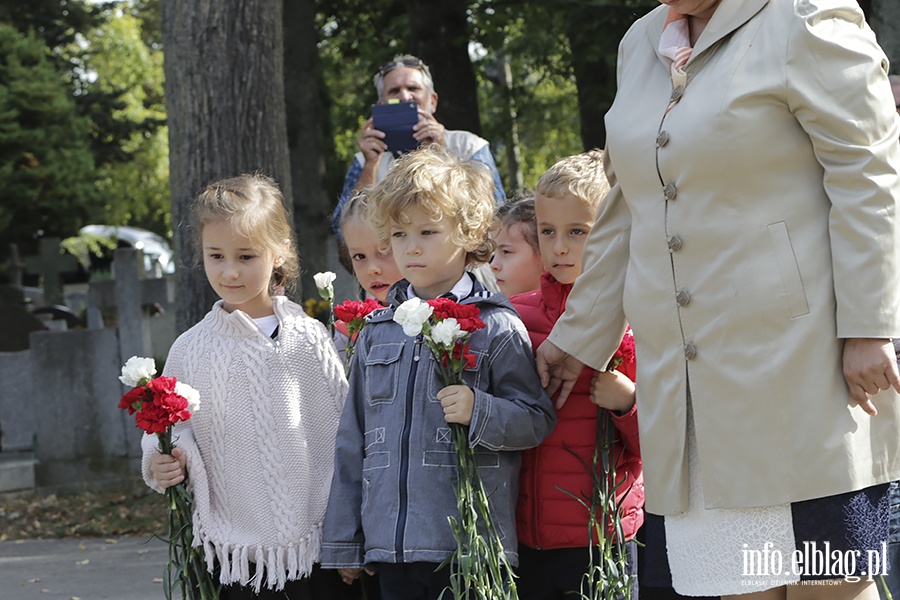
[[15, 266], [50, 264], [131, 294], [16, 322]]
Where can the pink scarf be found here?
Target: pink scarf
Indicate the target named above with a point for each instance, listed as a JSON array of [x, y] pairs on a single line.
[[675, 44]]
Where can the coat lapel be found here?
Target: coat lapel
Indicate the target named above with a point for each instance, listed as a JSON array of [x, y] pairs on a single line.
[[730, 15]]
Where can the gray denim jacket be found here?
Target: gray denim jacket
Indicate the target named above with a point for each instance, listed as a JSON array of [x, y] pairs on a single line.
[[394, 460]]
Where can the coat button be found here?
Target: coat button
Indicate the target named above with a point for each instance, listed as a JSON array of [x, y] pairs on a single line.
[[662, 139], [675, 243], [683, 298], [690, 351], [677, 93], [669, 192]]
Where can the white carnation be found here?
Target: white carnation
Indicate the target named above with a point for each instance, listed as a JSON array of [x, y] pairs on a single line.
[[190, 394], [446, 332], [412, 315], [137, 370], [323, 280]]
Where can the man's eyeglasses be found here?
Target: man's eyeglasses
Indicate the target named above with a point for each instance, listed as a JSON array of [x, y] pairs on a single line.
[[412, 63]]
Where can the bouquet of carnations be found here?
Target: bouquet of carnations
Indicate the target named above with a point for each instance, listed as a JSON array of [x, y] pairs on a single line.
[[607, 577], [353, 313], [479, 568], [157, 404]]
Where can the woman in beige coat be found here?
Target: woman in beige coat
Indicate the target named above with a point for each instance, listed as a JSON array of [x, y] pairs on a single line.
[[751, 241]]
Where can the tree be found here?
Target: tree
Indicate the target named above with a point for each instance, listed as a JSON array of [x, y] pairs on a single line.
[[46, 165], [440, 36], [306, 134], [225, 100], [137, 189]]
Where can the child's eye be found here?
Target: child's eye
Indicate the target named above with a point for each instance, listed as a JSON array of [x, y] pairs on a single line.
[[358, 257], [215, 256], [247, 257], [428, 232], [578, 232], [398, 234], [546, 231], [506, 251]]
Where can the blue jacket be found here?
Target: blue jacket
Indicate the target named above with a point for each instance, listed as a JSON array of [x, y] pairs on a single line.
[[394, 460]]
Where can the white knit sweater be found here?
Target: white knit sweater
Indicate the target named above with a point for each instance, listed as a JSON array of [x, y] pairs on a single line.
[[260, 449]]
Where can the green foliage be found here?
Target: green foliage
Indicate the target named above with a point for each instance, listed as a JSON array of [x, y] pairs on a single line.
[[137, 190], [46, 166]]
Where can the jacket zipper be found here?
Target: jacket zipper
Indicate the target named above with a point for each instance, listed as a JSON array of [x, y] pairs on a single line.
[[404, 451]]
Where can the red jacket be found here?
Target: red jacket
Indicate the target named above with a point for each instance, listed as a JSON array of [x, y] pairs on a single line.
[[547, 517]]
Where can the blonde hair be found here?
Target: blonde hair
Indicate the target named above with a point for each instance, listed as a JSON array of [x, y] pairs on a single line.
[[580, 175], [255, 207], [444, 187]]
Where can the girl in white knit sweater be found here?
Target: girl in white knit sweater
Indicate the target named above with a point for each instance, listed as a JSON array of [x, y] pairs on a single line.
[[259, 452]]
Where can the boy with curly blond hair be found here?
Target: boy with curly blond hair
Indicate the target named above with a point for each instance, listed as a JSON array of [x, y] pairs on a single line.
[[392, 490]]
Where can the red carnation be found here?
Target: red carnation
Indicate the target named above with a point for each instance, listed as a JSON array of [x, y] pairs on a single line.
[[624, 354], [354, 309], [465, 314], [133, 400]]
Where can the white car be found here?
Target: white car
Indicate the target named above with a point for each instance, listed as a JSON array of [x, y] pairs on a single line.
[[158, 257]]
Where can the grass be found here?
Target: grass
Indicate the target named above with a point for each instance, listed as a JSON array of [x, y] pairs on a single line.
[[140, 512]]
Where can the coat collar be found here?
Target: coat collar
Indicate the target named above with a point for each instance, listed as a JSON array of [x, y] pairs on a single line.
[[729, 16]]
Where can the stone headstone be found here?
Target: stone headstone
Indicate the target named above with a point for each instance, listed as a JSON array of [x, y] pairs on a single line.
[[12, 295], [16, 326], [50, 264]]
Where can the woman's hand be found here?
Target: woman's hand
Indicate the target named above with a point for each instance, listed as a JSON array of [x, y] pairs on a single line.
[[870, 365], [613, 391], [557, 370], [168, 469]]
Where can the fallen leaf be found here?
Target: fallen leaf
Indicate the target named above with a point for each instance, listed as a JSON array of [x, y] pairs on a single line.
[[86, 561], [157, 580]]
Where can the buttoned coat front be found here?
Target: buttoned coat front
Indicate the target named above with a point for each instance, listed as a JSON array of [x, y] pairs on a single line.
[[751, 226]]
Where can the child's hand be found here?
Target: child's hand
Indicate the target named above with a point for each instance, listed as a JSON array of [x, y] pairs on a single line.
[[458, 402], [168, 469], [613, 391], [349, 575]]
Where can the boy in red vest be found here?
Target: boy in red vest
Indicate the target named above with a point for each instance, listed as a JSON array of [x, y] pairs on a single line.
[[553, 527]]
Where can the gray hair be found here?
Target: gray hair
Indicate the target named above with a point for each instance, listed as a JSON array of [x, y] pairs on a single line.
[[406, 60]]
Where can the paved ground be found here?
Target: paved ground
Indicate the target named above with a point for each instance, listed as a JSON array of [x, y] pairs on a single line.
[[82, 569]]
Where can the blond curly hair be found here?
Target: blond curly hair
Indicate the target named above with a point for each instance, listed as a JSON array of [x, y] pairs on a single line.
[[256, 208], [444, 187], [580, 175]]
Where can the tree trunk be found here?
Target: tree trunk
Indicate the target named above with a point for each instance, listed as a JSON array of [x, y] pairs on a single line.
[[225, 104], [594, 78], [884, 18], [440, 37], [306, 119], [513, 150]]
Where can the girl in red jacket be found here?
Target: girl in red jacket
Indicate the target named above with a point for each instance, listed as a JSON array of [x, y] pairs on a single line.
[[553, 526]]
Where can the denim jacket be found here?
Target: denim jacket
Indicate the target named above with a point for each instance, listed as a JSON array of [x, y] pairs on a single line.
[[394, 460]]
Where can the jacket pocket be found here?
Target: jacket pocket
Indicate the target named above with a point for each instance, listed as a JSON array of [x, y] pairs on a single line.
[[788, 269], [471, 376], [382, 373]]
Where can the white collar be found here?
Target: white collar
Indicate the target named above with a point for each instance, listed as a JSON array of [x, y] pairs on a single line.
[[462, 289]]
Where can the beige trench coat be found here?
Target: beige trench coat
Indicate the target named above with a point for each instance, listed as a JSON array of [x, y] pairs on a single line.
[[749, 229]]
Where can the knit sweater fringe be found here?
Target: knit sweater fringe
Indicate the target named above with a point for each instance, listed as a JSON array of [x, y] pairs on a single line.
[[274, 565]]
